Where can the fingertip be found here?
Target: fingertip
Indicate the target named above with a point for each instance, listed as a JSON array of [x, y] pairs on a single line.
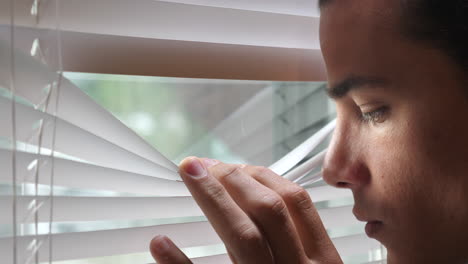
[[164, 251], [187, 159], [159, 245], [186, 162], [192, 166]]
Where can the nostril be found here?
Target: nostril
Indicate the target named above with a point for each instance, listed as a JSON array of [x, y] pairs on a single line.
[[342, 185]]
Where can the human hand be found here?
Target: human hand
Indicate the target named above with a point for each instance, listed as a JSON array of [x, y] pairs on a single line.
[[260, 216]]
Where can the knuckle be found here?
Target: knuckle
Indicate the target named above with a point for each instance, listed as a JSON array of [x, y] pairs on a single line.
[[259, 171], [214, 191], [298, 197], [248, 233], [272, 205], [229, 171]]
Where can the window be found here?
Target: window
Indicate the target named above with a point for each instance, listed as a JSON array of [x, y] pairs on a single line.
[[86, 167]]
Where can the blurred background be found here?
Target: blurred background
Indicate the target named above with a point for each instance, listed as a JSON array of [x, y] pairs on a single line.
[[254, 122]]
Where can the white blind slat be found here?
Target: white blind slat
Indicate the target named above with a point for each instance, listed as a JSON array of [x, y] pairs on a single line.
[[113, 242], [299, 153], [326, 193], [176, 21], [73, 174], [306, 167], [217, 259], [178, 58], [78, 209], [132, 240], [83, 145], [354, 245], [75, 106], [291, 7]]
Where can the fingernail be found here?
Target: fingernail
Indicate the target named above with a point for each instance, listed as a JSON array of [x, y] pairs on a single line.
[[210, 162], [194, 168]]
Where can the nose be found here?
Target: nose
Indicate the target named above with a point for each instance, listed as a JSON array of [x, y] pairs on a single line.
[[344, 165]]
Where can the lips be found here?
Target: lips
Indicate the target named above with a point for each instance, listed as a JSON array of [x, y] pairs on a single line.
[[373, 226], [361, 217]]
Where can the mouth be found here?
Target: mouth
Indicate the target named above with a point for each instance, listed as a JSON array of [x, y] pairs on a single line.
[[372, 226]]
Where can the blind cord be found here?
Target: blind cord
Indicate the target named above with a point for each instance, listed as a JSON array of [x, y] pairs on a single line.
[[13, 127], [52, 154]]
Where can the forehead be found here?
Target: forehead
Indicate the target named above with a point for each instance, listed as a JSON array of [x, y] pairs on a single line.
[[382, 13], [359, 36]]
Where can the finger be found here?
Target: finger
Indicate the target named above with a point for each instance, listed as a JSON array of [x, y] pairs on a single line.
[[235, 228], [164, 251], [231, 257], [266, 208], [309, 226]]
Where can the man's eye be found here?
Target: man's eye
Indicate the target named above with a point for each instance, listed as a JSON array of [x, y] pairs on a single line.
[[376, 116]]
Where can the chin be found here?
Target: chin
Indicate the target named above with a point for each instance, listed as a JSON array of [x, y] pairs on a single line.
[[374, 229]]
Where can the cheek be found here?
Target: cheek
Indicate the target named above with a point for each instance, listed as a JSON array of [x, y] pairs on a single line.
[[411, 165], [392, 169], [437, 149]]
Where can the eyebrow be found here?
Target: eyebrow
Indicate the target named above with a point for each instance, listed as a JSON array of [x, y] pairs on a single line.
[[353, 83]]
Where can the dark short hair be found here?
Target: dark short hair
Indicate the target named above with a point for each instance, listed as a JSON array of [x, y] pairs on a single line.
[[442, 24]]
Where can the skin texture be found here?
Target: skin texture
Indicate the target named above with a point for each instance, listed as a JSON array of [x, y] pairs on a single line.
[[260, 216], [407, 166], [401, 146]]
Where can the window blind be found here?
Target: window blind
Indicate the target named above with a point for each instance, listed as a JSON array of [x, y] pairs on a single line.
[[54, 136], [182, 40]]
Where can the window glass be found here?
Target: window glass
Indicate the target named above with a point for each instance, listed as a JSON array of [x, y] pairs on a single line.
[[236, 121]]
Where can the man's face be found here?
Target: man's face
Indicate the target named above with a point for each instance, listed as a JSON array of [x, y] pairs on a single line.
[[401, 142]]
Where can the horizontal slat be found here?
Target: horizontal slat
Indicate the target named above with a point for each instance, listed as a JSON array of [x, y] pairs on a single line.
[[100, 178], [123, 241], [291, 7], [79, 175], [79, 209], [176, 58], [75, 142], [75, 106], [300, 152], [325, 193], [306, 167], [112, 242], [204, 255], [218, 255], [173, 21], [310, 180], [382, 261], [224, 258], [286, 52], [354, 245], [216, 259], [338, 217]]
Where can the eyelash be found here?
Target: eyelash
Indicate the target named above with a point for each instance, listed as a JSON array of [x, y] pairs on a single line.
[[376, 116]]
